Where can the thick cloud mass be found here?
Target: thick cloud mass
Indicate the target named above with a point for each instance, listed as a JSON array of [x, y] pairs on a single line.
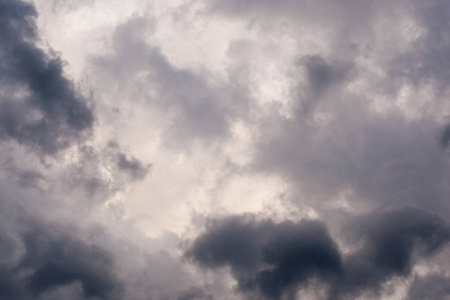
[[39, 106], [40, 258], [266, 257], [392, 243], [61, 261], [298, 149], [277, 259]]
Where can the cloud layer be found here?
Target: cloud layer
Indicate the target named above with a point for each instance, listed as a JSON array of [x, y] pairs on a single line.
[[219, 149]]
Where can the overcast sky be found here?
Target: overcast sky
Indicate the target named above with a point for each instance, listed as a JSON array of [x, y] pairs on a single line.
[[224, 149]]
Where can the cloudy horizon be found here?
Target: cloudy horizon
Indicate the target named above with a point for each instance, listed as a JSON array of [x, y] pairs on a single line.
[[224, 149]]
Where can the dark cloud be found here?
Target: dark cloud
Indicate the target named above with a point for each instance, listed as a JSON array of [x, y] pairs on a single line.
[[132, 166], [43, 256], [61, 260], [445, 137], [40, 258], [430, 287], [48, 254], [321, 77], [320, 73], [269, 258], [39, 106], [393, 242], [277, 259]]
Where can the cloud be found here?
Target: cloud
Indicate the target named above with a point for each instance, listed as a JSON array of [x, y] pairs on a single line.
[[37, 258], [377, 159], [60, 260], [266, 257], [277, 259], [40, 107], [361, 102], [194, 294], [445, 137], [313, 12], [47, 255], [393, 242], [193, 106], [429, 52], [131, 166], [343, 103], [430, 287]]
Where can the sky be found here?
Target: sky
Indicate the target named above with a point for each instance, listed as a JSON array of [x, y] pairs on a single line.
[[224, 149]]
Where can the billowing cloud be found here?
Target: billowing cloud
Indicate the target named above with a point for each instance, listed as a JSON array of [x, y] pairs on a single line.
[[39, 105], [278, 259], [393, 242], [268, 258], [227, 149], [39, 258]]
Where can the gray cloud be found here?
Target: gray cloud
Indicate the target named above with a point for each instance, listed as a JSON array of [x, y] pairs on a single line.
[[338, 140], [193, 293], [312, 12], [426, 61], [445, 137], [268, 258], [276, 260], [430, 287], [37, 258], [124, 163], [59, 261], [39, 106], [193, 105], [98, 173], [380, 158], [348, 141], [46, 255], [393, 242]]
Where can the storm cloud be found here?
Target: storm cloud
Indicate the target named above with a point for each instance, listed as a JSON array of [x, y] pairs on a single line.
[[278, 259], [40, 107], [268, 258]]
